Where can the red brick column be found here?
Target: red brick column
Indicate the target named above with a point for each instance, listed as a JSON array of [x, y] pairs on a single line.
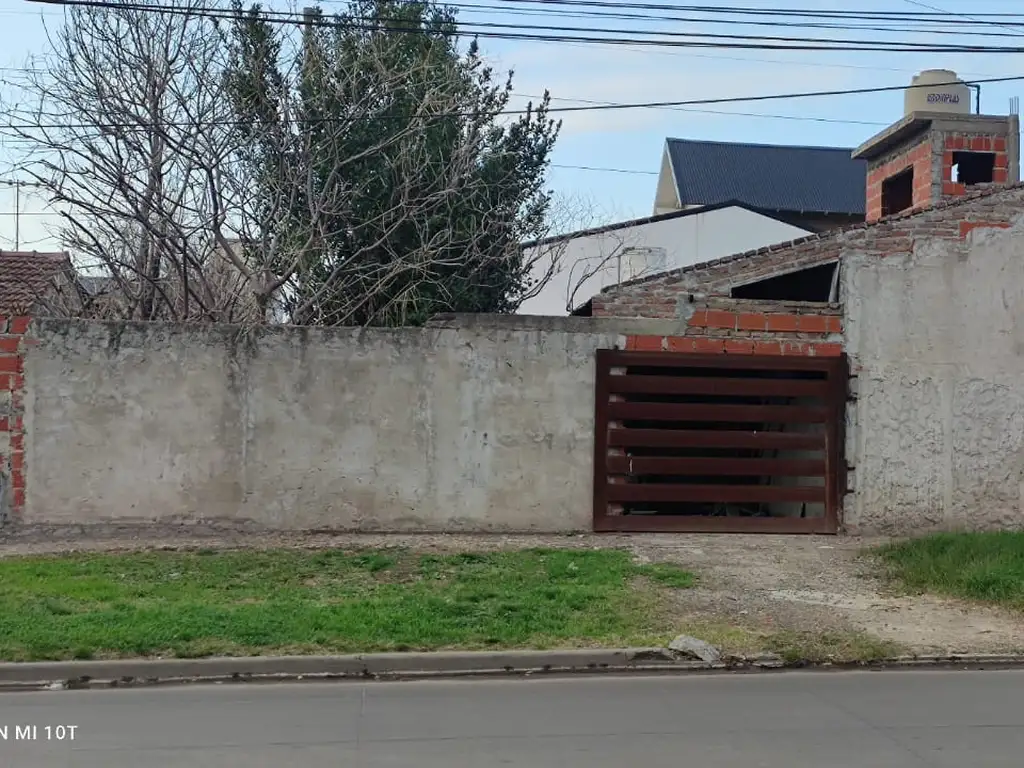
[[12, 411]]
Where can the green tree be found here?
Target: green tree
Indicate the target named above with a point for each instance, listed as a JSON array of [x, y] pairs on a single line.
[[384, 183]]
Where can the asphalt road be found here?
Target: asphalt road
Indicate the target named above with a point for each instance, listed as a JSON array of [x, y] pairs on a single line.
[[791, 720]]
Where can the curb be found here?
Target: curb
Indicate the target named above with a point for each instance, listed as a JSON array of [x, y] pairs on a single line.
[[63, 675], [58, 675]]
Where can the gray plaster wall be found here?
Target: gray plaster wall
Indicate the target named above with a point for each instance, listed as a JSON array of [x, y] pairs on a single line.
[[470, 426], [936, 339]]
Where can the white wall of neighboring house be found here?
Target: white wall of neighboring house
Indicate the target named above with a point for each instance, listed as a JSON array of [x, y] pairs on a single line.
[[586, 263]]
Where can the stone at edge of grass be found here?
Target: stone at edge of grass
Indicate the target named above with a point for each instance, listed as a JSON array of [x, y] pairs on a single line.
[[793, 646]]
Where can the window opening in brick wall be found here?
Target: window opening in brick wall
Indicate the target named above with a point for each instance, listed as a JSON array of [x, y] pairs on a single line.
[[973, 167], [811, 284], [898, 192]]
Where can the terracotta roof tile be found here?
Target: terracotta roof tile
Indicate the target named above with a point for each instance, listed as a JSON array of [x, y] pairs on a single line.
[[26, 277]]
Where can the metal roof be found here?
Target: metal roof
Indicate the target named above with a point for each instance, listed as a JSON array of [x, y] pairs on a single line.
[[769, 176]]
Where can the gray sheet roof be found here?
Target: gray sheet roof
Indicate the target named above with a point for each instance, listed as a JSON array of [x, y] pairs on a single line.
[[773, 177]]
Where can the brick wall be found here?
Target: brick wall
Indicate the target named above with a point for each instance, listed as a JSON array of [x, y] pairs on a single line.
[[665, 296], [668, 295], [960, 142], [12, 408], [932, 161], [745, 327], [918, 157]]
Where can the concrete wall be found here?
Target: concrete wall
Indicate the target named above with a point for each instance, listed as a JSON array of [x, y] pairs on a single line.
[[454, 427], [936, 338], [703, 235]]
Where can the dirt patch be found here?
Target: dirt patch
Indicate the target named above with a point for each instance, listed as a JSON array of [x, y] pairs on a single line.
[[750, 586], [787, 584]]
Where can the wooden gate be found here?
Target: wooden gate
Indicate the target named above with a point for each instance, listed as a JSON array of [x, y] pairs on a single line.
[[703, 443]]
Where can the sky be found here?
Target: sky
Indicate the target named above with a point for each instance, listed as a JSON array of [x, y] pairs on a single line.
[[605, 164]]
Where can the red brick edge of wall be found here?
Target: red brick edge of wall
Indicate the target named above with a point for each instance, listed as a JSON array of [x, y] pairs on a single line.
[[715, 331], [12, 411]]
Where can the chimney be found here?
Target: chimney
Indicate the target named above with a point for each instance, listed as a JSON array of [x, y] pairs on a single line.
[[939, 149]]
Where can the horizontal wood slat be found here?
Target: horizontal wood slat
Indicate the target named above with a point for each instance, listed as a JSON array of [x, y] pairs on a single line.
[[698, 438], [804, 390], [700, 524], [767, 414], [695, 385], [664, 465], [633, 492], [623, 359]]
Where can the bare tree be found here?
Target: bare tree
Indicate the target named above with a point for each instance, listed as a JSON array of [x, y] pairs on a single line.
[[110, 108], [182, 210]]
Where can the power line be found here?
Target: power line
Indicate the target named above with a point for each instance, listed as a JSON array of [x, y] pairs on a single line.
[[974, 18], [540, 33], [605, 170], [769, 12], [970, 19], [561, 12], [589, 11], [551, 6], [675, 52], [727, 113], [552, 110], [688, 55]]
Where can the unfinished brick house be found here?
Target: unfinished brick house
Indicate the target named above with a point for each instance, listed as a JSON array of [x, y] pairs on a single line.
[[867, 379]]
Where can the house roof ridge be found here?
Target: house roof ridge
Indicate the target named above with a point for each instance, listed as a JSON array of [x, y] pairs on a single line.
[[760, 145], [658, 217], [56, 255], [26, 275], [945, 204]]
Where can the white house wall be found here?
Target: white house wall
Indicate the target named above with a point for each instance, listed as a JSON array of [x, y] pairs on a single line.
[[686, 240]]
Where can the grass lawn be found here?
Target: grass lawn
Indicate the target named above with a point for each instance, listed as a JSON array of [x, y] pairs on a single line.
[[290, 601], [978, 566]]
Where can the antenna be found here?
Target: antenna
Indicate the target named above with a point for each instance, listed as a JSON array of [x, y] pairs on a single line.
[[17, 205]]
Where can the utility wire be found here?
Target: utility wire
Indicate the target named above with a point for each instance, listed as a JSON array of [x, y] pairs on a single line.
[[728, 113], [552, 110], [647, 50], [583, 10], [934, 15], [969, 19], [770, 12], [540, 33], [563, 12], [636, 171], [679, 54]]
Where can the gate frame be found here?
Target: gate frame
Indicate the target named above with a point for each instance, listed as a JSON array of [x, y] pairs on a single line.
[[837, 371]]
